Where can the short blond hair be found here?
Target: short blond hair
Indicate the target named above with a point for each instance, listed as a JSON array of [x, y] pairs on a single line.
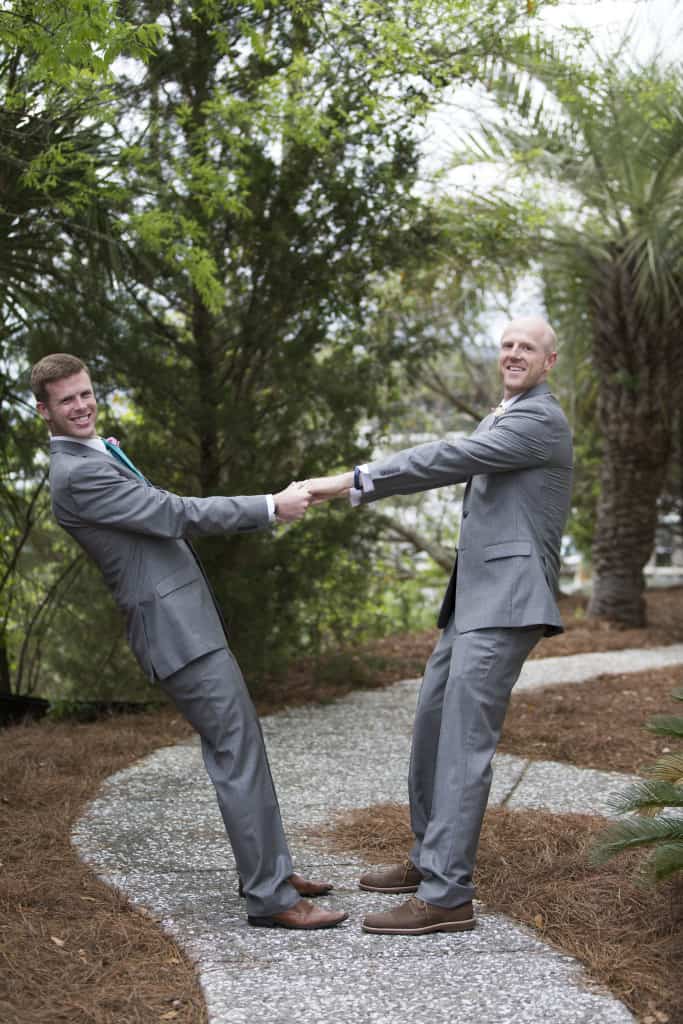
[[56, 366]]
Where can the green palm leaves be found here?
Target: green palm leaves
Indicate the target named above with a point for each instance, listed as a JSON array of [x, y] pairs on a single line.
[[657, 808], [594, 156]]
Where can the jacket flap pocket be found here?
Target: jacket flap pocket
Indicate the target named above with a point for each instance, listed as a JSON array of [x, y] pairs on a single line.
[[508, 549], [176, 580]]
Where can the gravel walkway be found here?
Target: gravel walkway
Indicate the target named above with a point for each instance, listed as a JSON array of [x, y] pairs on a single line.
[[155, 832]]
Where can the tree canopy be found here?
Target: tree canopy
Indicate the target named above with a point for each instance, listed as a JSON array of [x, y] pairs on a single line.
[[214, 193], [609, 143]]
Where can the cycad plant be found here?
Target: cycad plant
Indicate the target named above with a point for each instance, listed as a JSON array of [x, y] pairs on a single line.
[[657, 808]]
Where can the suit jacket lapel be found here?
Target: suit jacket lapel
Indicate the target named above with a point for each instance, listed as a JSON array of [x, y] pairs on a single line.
[[538, 389], [86, 452], [484, 424]]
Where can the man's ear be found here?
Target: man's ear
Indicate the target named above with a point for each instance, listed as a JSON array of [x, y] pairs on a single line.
[[43, 411], [551, 359]]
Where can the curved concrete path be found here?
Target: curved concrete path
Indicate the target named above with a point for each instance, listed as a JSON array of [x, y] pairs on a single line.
[[155, 832]]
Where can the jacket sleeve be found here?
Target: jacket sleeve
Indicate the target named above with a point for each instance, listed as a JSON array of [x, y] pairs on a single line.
[[520, 439], [99, 494]]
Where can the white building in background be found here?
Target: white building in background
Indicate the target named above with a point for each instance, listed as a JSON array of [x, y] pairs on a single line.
[[665, 566]]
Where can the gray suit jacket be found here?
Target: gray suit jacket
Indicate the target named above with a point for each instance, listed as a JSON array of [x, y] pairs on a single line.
[[518, 470], [137, 534]]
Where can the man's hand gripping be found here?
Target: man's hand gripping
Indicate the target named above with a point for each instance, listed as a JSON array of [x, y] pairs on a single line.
[[292, 503]]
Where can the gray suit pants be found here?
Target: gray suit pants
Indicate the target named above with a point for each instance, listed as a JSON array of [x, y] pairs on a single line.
[[211, 694], [460, 712]]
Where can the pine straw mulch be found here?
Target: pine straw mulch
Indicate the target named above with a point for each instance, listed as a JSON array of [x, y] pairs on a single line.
[[583, 635], [534, 866], [72, 951], [596, 724], [403, 656]]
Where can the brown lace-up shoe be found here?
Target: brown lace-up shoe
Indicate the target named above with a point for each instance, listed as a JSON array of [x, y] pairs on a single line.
[[304, 886], [415, 917], [303, 915], [403, 877]]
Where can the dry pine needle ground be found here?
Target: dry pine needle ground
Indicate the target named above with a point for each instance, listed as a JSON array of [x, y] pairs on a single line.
[[72, 951], [535, 867]]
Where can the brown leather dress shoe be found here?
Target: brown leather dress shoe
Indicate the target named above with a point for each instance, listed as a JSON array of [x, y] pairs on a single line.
[[304, 886], [415, 917], [307, 887], [303, 915], [403, 877]]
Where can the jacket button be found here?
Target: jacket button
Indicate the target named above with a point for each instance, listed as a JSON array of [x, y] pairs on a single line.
[[465, 514]]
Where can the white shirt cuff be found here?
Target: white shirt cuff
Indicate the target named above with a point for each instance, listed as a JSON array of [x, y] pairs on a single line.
[[271, 507], [366, 486]]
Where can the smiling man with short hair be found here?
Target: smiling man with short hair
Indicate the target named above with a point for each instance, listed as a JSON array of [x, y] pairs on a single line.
[[138, 535], [501, 599]]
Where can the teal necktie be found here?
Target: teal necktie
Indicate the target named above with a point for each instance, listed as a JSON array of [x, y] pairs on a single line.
[[122, 457]]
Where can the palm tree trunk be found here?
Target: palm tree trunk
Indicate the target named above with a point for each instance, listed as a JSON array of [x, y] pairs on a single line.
[[624, 536], [635, 352]]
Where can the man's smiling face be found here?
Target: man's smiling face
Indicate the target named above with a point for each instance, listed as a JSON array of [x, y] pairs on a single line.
[[526, 355], [70, 409]]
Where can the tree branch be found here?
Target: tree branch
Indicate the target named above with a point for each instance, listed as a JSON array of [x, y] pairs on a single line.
[[439, 554], [26, 530]]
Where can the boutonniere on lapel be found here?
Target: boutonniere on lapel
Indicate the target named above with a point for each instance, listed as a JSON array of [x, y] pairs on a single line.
[[498, 411], [113, 440]]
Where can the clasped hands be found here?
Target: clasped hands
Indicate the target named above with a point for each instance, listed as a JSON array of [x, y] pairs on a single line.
[[294, 500]]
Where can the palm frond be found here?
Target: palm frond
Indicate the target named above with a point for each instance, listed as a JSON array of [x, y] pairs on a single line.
[[667, 859], [650, 796], [634, 833], [665, 725], [668, 768]]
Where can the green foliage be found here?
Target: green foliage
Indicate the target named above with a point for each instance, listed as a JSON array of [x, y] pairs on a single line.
[[279, 146], [653, 801], [666, 725], [71, 41], [606, 139], [66, 710], [208, 224], [664, 834], [648, 797], [56, 118]]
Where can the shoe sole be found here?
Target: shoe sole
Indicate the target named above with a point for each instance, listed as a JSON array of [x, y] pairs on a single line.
[[447, 926], [391, 889], [268, 922]]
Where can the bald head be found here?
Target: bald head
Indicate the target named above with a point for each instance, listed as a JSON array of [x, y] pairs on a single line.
[[538, 328], [528, 351]]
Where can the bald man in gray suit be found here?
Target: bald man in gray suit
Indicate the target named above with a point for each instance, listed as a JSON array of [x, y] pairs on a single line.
[[138, 535], [501, 599]]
